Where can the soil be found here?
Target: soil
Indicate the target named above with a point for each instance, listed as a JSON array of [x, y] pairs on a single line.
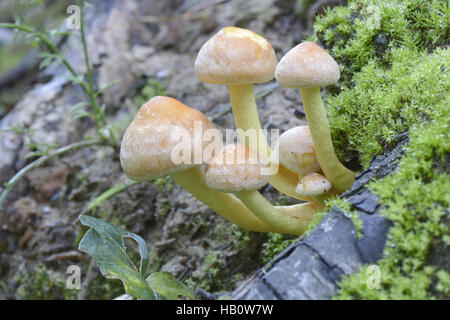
[[134, 41]]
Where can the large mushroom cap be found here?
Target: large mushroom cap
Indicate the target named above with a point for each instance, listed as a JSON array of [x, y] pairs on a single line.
[[236, 56], [313, 184], [295, 150], [237, 168], [146, 150], [306, 66]]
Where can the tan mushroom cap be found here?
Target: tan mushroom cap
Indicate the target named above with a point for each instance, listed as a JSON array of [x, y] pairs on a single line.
[[313, 184], [295, 151], [237, 168], [146, 150], [306, 66], [235, 56]]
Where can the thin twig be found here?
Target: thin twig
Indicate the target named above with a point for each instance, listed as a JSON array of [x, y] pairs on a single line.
[[36, 163], [91, 273]]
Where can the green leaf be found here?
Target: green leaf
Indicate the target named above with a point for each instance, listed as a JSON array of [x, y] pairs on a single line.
[[82, 114], [168, 286], [143, 252], [76, 80], [104, 242], [107, 86], [48, 59]]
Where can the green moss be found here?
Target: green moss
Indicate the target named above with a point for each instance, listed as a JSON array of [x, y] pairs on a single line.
[[384, 64], [416, 199], [347, 208], [164, 183], [39, 283], [368, 30], [386, 102], [274, 245], [394, 61], [101, 288], [151, 89]]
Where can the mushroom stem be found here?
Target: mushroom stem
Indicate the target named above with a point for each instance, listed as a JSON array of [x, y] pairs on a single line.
[[303, 212], [246, 117], [286, 182], [340, 177], [226, 205], [282, 220], [245, 114]]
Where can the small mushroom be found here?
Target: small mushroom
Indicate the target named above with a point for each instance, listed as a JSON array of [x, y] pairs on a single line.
[[295, 150], [238, 169], [313, 184], [309, 67], [146, 153]]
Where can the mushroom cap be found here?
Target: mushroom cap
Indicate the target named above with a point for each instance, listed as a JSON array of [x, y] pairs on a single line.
[[306, 66], [237, 168], [295, 150], [236, 56], [146, 150], [313, 184]]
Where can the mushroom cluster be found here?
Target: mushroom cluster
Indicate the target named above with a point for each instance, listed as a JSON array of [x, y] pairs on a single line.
[[166, 137]]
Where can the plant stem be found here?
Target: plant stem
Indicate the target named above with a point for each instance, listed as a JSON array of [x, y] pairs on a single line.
[[340, 177], [111, 192], [88, 87], [36, 163], [98, 114], [246, 117], [226, 205], [282, 220], [286, 181]]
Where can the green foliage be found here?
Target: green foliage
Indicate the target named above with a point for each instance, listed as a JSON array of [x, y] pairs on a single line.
[[417, 201], [164, 183], [275, 244], [37, 149], [105, 131], [105, 243], [443, 284], [366, 30], [394, 61], [151, 89], [383, 49], [347, 208], [169, 287], [318, 216], [386, 102]]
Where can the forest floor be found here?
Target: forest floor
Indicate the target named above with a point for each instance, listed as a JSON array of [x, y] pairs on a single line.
[[150, 46]]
